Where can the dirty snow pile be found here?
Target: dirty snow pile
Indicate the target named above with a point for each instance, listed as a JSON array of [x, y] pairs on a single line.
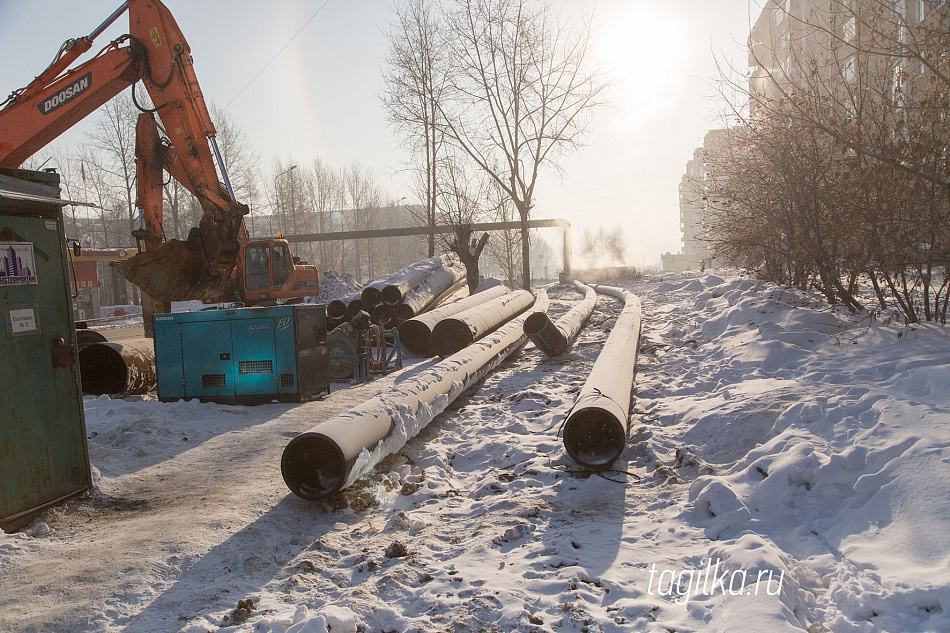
[[788, 469], [334, 285]]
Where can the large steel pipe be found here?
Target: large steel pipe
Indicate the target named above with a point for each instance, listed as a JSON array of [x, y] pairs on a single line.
[[118, 368], [402, 282], [554, 338], [335, 453], [461, 330], [336, 309], [438, 285], [416, 333], [595, 432]]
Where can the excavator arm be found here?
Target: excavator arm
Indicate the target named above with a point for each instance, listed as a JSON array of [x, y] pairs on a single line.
[[158, 55]]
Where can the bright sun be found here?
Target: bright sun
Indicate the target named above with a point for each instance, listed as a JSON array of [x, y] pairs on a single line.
[[642, 49]]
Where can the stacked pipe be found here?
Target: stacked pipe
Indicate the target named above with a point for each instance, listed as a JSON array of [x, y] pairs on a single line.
[[335, 453], [416, 333], [554, 338], [424, 284], [436, 288], [595, 432]]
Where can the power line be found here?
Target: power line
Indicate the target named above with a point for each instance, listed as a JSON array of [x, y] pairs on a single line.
[[277, 54]]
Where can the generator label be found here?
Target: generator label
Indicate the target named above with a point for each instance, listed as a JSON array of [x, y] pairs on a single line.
[[17, 265], [66, 95], [22, 321]]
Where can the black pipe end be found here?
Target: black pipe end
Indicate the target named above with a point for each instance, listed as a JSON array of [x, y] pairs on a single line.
[[416, 338], [594, 437], [313, 466], [450, 336], [391, 295], [544, 334], [336, 309], [404, 312], [370, 296], [353, 307], [102, 370]]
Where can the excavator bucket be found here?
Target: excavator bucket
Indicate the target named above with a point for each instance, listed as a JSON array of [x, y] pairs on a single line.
[[175, 272]]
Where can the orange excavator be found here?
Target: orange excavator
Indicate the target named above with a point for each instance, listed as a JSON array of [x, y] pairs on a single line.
[[217, 261]]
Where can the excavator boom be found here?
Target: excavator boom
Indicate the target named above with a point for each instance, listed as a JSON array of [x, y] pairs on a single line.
[[158, 55]]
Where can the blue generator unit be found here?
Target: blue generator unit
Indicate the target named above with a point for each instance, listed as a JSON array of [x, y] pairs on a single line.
[[243, 355]]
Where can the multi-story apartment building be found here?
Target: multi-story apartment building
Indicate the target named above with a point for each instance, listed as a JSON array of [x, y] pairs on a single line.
[[827, 47], [693, 198]]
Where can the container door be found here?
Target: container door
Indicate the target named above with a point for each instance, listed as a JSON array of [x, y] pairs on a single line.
[[209, 367], [255, 356], [43, 452]]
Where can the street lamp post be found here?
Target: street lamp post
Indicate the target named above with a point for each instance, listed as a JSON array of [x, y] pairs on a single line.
[[280, 223]]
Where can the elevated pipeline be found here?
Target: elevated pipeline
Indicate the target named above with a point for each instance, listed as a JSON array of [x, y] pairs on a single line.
[[416, 333], [554, 338], [118, 369], [595, 432], [335, 453]]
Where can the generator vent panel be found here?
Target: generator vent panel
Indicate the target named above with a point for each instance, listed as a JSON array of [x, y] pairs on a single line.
[[214, 381], [247, 367]]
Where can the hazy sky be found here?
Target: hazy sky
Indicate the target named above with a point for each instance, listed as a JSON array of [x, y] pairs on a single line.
[[320, 96]]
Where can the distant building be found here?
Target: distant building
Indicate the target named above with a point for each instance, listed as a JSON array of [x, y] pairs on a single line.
[[693, 196]]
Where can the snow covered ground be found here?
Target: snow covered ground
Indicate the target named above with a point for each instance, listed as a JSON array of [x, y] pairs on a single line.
[[788, 469]]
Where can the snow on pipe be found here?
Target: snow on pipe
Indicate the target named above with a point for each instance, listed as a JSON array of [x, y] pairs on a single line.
[[372, 293], [337, 452], [596, 429], [416, 333], [461, 330], [554, 338], [118, 369], [437, 286], [404, 281]]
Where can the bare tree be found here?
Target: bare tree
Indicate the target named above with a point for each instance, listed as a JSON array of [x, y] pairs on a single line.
[[519, 95], [113, 136], [463, 199], [840, 167], [415, 85]]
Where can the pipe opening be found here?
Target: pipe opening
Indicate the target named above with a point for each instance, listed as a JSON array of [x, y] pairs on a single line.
[[313, 466], [594, 438], [102, 370], [450, 336], [536, 323], [391, 295], [336, 309], [370, 296], [416, 338]]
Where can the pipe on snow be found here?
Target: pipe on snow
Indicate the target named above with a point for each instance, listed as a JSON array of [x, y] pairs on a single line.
[[335, 453], [416, 333], [554, 338], [118, 368], [596, 429], [461, 330]]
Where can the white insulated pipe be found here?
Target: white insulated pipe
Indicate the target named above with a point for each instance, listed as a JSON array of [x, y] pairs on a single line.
[[416, 333], [595, 433], [335, 453], [554, 338]]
